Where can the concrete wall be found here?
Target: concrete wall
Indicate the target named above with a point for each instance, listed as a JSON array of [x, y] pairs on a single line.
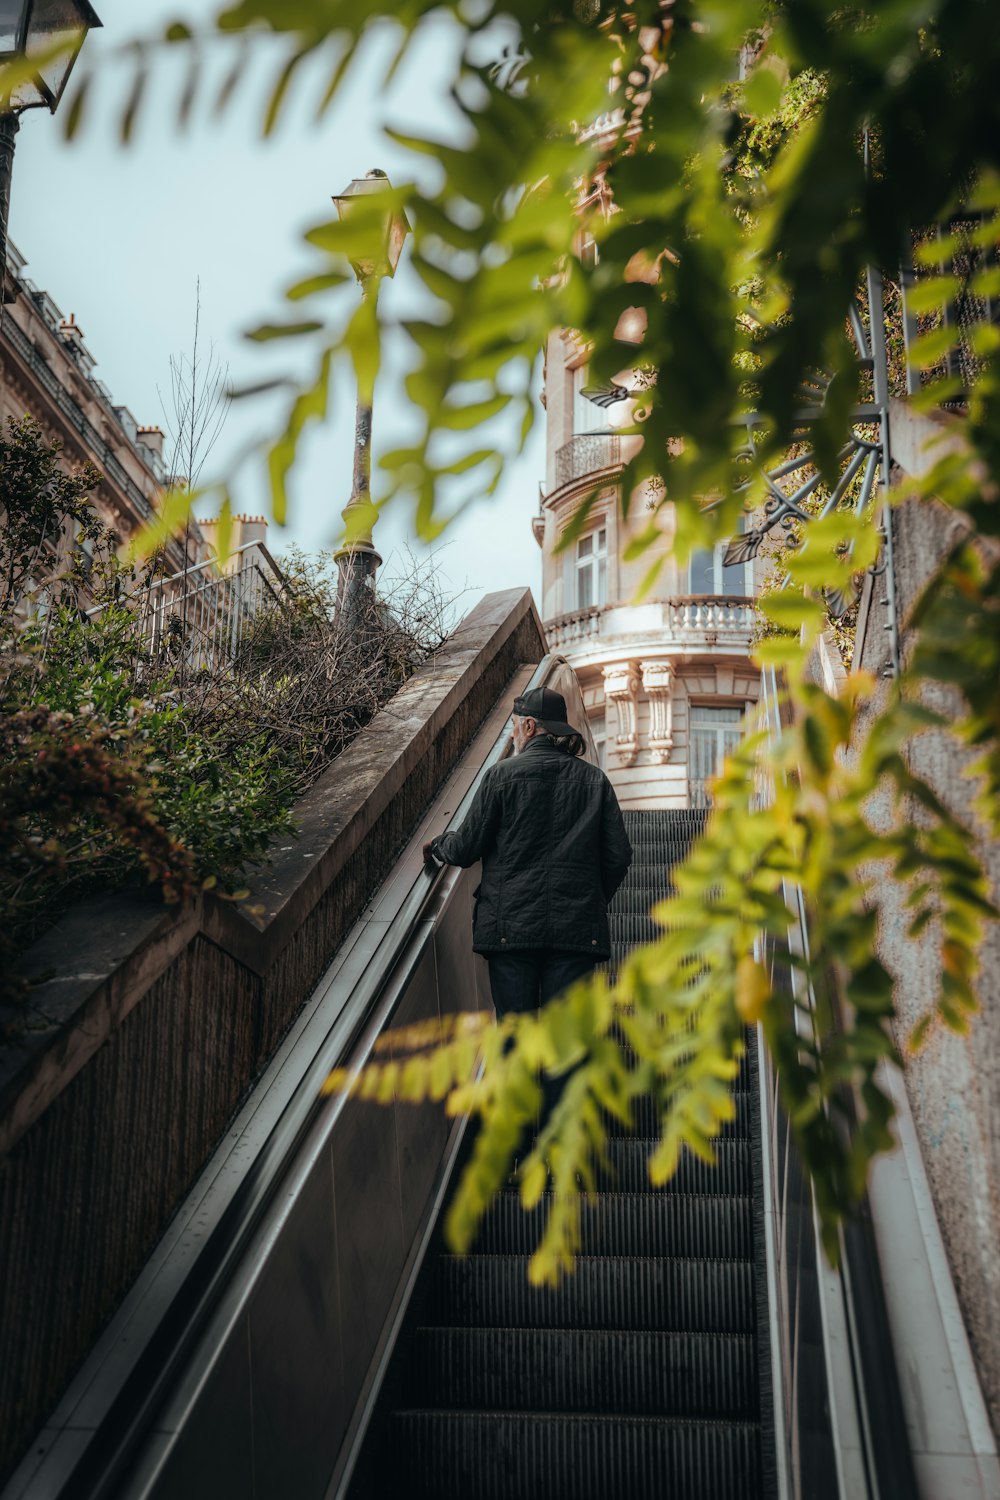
[[153, 1025], [954, 1084]]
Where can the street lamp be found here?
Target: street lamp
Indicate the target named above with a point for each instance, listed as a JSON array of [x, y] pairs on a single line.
[[380, 243], [47, 35]]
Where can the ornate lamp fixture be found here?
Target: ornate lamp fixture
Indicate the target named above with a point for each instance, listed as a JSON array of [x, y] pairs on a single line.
[[48, 35]]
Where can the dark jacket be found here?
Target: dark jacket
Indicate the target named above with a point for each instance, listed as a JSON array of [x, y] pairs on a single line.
[[552, 840]]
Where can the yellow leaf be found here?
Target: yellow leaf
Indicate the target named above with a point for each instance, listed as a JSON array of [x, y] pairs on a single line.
[[753, 990], [534, 1179]]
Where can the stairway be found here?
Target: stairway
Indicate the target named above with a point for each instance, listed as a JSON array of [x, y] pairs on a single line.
[[638, 1376]]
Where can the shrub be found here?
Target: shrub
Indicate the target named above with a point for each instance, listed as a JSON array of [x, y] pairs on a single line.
[[121, 766]]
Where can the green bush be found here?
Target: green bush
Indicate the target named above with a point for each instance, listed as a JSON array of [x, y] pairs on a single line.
[[119, 767]]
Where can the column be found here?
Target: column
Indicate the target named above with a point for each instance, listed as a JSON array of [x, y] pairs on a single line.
[[658, 685], [621, 690]]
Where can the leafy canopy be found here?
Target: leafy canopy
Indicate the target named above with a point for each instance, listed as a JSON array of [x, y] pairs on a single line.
[[733, 220]]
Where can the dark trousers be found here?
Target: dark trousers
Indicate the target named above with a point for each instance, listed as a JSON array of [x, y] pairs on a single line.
[[525, 980]]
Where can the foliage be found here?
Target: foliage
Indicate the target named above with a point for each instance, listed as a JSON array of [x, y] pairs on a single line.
[[733, 222], [119, 766], [307, 686], [682, 1004], [74, 796], [42, 505]]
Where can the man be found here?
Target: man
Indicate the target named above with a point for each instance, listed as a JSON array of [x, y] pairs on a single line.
[[552, 840]]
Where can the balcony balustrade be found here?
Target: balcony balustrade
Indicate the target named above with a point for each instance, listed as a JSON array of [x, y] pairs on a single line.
[[586, 453], [686, 623]]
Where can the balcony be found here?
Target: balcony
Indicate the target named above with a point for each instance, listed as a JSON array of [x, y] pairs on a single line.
[[693, 624], [587, 453]]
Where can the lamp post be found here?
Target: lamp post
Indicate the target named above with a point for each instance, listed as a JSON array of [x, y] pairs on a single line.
[[384, 229], [33, 30]]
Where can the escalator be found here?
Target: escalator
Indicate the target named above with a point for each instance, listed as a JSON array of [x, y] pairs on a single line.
[[302, 1332], [638, 1376]]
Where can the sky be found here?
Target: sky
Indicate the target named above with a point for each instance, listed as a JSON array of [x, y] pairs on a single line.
[[119, 236]]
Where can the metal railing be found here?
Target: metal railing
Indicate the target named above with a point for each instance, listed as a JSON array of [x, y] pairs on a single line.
[[586, 453], [202, 616]]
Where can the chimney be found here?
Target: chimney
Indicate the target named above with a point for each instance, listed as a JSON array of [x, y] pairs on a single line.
[[71, 333], [151, 438], [247, 529]]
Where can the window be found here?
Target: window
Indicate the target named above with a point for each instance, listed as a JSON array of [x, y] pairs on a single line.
[[592, 569], [587, 415], [714, 733], [707, 575]]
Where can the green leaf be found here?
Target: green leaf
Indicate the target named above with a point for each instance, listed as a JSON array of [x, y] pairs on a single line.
[[792, 610], [268, 332]]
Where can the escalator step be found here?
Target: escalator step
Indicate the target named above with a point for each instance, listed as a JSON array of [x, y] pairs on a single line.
[[682, 1295], [636, 900], [628, 930], [627, 1170], [629, 1158], [636, 1374], [715, 1228], [646, 1121], [452, 1455]]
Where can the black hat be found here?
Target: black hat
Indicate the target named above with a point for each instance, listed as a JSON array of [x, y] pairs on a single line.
[[548, 709]]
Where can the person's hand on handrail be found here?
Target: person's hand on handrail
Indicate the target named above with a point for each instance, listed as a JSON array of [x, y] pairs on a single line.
[[432, 861]]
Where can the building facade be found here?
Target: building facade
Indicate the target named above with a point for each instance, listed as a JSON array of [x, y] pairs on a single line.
[[48, 374], [187, 607], [668, 681]]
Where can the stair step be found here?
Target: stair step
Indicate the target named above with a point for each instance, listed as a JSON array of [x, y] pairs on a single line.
[[587, 1370], [650, 1223], [682, 1295], [454, 1455]]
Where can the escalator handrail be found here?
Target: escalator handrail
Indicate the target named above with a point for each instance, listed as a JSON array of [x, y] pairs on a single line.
[[128, 1417]]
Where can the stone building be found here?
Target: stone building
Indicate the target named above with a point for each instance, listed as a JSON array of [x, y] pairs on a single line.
[[49, 374], [666, 682]]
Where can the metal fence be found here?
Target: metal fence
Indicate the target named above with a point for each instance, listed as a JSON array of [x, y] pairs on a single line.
[[201, 616], [585, 454]]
